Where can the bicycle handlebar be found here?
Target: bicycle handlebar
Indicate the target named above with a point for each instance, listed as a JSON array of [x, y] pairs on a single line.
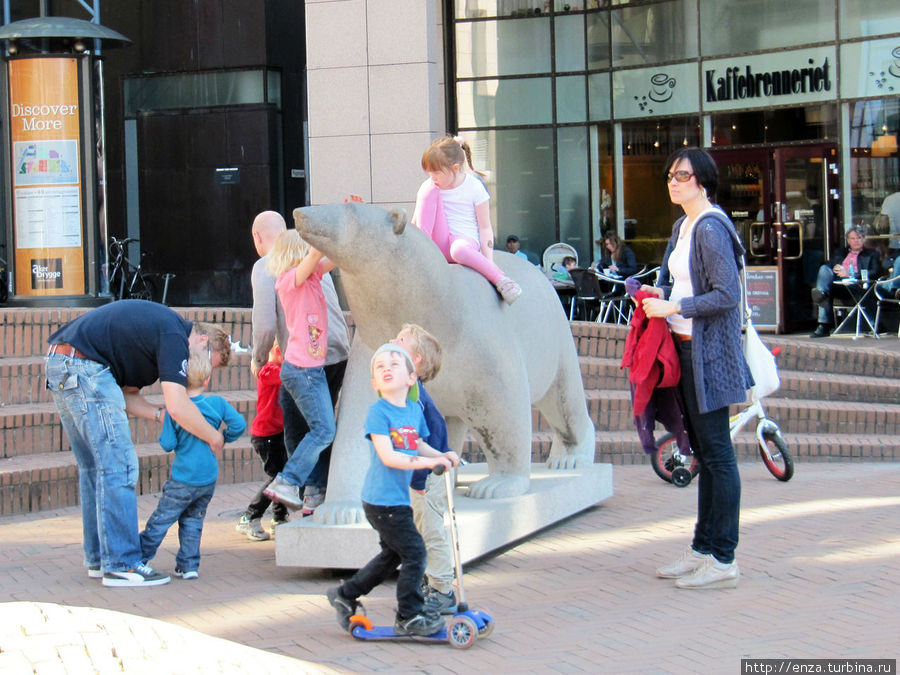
[[122, 243]]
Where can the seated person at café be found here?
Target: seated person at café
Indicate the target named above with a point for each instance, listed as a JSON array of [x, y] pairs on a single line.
[[616, 259], [850, 262]]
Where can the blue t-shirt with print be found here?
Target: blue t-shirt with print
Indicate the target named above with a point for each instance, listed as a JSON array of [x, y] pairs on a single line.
[[386, 486]]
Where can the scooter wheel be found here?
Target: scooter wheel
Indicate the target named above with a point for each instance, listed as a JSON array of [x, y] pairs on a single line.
[[486, 629], [361, 621], [681, 477], [462, 632]]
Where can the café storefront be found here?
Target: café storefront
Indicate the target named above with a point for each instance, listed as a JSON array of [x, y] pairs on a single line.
[[573, 112]]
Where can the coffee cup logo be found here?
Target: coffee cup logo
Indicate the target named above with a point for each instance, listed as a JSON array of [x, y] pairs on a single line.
[[662, 87], [894, 68]]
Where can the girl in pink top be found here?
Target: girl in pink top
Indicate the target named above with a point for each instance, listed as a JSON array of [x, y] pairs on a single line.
[[298, 269], [452, 208]]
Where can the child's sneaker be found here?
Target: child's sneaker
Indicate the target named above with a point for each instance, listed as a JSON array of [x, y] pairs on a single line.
[[190, 574], [139, 575], [276, 521], [426, 623], [345, 606], [94, 572], [252, 528], [281, 491], [442, 603], [312, 498], [509, 290]]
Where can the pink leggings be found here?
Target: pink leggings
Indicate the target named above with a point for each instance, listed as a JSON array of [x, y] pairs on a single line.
[[466, 251]]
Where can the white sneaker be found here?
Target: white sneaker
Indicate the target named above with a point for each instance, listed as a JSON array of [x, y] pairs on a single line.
[[509, 290], [281, 491], [190, 574], [687, 562], [711, 575], [252, 528], [312, 499], [139, 575]]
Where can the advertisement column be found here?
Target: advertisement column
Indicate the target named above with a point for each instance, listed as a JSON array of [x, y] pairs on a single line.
[[44, 128]]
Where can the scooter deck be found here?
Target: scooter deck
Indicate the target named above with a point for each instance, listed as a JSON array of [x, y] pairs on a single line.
[[388, 633]]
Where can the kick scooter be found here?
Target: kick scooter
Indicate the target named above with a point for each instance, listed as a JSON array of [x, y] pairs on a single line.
[[463, 628]]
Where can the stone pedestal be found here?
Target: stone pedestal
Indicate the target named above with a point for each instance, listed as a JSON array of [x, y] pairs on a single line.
[[484, 524]]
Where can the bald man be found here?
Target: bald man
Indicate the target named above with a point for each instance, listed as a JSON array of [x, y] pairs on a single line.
[[269, 325]]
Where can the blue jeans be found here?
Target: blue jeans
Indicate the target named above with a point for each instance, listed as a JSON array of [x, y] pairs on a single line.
[[186, 504], [719, 489], [401, 544], [92, 412], [295, 427], [823, 282], [308, 390]]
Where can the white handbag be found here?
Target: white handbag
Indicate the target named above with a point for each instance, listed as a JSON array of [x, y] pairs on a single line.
[[759, 358]]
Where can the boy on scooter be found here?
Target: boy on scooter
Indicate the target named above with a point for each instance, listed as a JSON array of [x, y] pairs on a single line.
[[395, 428]]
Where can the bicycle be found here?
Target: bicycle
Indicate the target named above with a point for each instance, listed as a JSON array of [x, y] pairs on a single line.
[[673, 466], [127, 280]]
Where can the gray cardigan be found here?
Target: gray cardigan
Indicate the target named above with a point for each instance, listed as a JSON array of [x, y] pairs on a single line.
[[721, 374]]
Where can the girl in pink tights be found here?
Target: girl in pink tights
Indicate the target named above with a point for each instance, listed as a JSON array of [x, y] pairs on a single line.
[[452, 208]]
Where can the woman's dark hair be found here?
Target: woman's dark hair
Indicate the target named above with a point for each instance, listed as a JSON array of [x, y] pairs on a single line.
[[618, 245], [704, 167]]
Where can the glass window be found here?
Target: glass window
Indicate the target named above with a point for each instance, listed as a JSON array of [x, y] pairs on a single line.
[[574, 216], [864, 18], [490, 48], [658, 32], [598, 91], [598, 40], [875, 167], [570, 99], [816, 122], [198, 90], [763, 25], [649, 214], [489, 103], [476, 9], [569, 31], [519, 166]]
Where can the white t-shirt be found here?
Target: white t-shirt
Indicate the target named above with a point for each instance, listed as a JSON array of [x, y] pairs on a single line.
[[680, 269], [459, 205]]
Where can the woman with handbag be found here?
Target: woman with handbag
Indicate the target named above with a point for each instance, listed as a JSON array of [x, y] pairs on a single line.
[[699, 292]]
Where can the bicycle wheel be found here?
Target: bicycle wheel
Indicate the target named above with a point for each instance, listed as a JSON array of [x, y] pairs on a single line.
[[776, 457], [143, 289], [664, 463]]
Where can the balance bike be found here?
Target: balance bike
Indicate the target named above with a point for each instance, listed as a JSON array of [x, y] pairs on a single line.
[[463, 628]]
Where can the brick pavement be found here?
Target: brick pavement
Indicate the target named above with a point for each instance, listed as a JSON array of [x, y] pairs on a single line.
[[820, 556]]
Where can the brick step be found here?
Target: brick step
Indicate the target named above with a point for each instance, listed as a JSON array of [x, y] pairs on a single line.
[[612, 410], [24, 331], [22, 379], [604, 374], [623, 447], [50, 480], [34, 429]]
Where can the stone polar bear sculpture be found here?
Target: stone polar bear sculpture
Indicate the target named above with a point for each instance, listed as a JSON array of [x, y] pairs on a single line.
[[498, 359]]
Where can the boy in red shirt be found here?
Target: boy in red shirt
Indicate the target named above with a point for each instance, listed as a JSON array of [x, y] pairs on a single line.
[[267, 439]]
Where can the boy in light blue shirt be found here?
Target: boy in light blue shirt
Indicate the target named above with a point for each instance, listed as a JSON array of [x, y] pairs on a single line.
[[195, 468], [395, 428]]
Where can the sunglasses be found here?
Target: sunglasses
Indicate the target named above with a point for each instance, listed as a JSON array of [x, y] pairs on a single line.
[[680, 176]]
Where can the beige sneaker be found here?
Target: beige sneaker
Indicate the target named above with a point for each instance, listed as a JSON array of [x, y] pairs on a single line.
[[709, 575], [509, 290], [687, 562]]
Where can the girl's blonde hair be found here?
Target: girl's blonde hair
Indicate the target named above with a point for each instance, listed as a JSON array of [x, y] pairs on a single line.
[[442, 154], [287, 251]]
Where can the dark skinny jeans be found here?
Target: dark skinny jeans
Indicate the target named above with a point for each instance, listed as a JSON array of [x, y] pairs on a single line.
[[401, 544], [719, 489]]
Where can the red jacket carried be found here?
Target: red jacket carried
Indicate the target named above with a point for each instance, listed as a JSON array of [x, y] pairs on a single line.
[[650, 353]]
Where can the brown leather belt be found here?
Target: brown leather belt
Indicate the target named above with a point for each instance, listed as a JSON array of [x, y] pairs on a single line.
[[66, 349], [680, 337]]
